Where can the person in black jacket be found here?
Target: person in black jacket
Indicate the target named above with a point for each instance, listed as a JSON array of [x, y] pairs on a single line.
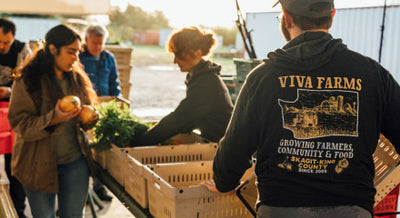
[[312, 113], [13, 54], [207, 105]]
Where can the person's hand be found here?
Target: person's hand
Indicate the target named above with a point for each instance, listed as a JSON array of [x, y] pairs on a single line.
[[4, 92], [59, 116], [210, 185]]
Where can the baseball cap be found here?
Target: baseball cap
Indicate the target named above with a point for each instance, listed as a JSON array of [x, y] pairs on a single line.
[[303, 7]]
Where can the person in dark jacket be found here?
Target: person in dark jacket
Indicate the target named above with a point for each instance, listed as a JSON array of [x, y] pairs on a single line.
[[207, 105], [313, 113], [13, 54]]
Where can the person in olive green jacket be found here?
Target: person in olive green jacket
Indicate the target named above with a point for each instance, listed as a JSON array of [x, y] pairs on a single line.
[[50, 156]]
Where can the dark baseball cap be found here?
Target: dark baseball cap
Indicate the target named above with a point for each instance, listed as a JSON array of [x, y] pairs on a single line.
[[303, 7]]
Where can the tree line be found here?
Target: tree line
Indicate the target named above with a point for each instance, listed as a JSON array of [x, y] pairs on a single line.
[[124, 24]]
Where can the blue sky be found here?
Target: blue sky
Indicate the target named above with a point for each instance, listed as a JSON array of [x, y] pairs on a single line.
[[213, 13]]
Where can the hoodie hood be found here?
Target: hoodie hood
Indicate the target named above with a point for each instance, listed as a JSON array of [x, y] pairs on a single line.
[[308, 51], [203, 68]]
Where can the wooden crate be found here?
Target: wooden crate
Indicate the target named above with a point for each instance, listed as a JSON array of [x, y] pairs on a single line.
[[118, 99], [124, 73], [125, 89], [122, 54]]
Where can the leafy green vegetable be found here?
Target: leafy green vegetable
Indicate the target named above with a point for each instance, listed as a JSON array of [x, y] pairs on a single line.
[[116, 126]]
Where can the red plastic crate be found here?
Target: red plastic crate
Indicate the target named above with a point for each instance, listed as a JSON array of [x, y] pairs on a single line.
[[6, 142], [388, 204], [4, 124]]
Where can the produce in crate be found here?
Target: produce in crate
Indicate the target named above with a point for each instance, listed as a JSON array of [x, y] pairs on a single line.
[[116, 125], [69, 102]]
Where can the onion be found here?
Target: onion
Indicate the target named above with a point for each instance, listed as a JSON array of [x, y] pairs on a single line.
[[87, 114], [69, 102]]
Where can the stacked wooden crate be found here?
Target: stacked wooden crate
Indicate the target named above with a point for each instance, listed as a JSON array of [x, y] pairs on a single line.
[[123, 57]]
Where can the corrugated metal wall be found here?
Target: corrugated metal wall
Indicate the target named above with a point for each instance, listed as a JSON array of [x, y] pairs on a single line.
[[265, 32], [32, 29], [360, 29]]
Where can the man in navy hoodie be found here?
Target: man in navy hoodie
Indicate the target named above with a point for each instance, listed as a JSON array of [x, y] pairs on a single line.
[[312, 114]]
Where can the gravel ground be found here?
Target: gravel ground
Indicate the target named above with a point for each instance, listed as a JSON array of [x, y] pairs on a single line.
[[156, 90]]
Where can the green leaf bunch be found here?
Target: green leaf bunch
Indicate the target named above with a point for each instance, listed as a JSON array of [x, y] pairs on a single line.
[[116, 125]]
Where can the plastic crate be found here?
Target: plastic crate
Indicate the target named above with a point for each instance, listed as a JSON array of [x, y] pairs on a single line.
[[230, 83], [243, 67], [7, 208], [188, 138], [135, 182], [388, 204], [385, 157], [174, 191], [387, 170], [4, 124], [115, 163], [100, 158], [6, 142]]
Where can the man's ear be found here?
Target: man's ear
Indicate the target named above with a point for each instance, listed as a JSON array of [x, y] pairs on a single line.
[[288, 19], [333, 12], [53, 49]]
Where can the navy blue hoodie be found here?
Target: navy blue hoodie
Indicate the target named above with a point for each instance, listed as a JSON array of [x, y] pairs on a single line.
[[312, 112]]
